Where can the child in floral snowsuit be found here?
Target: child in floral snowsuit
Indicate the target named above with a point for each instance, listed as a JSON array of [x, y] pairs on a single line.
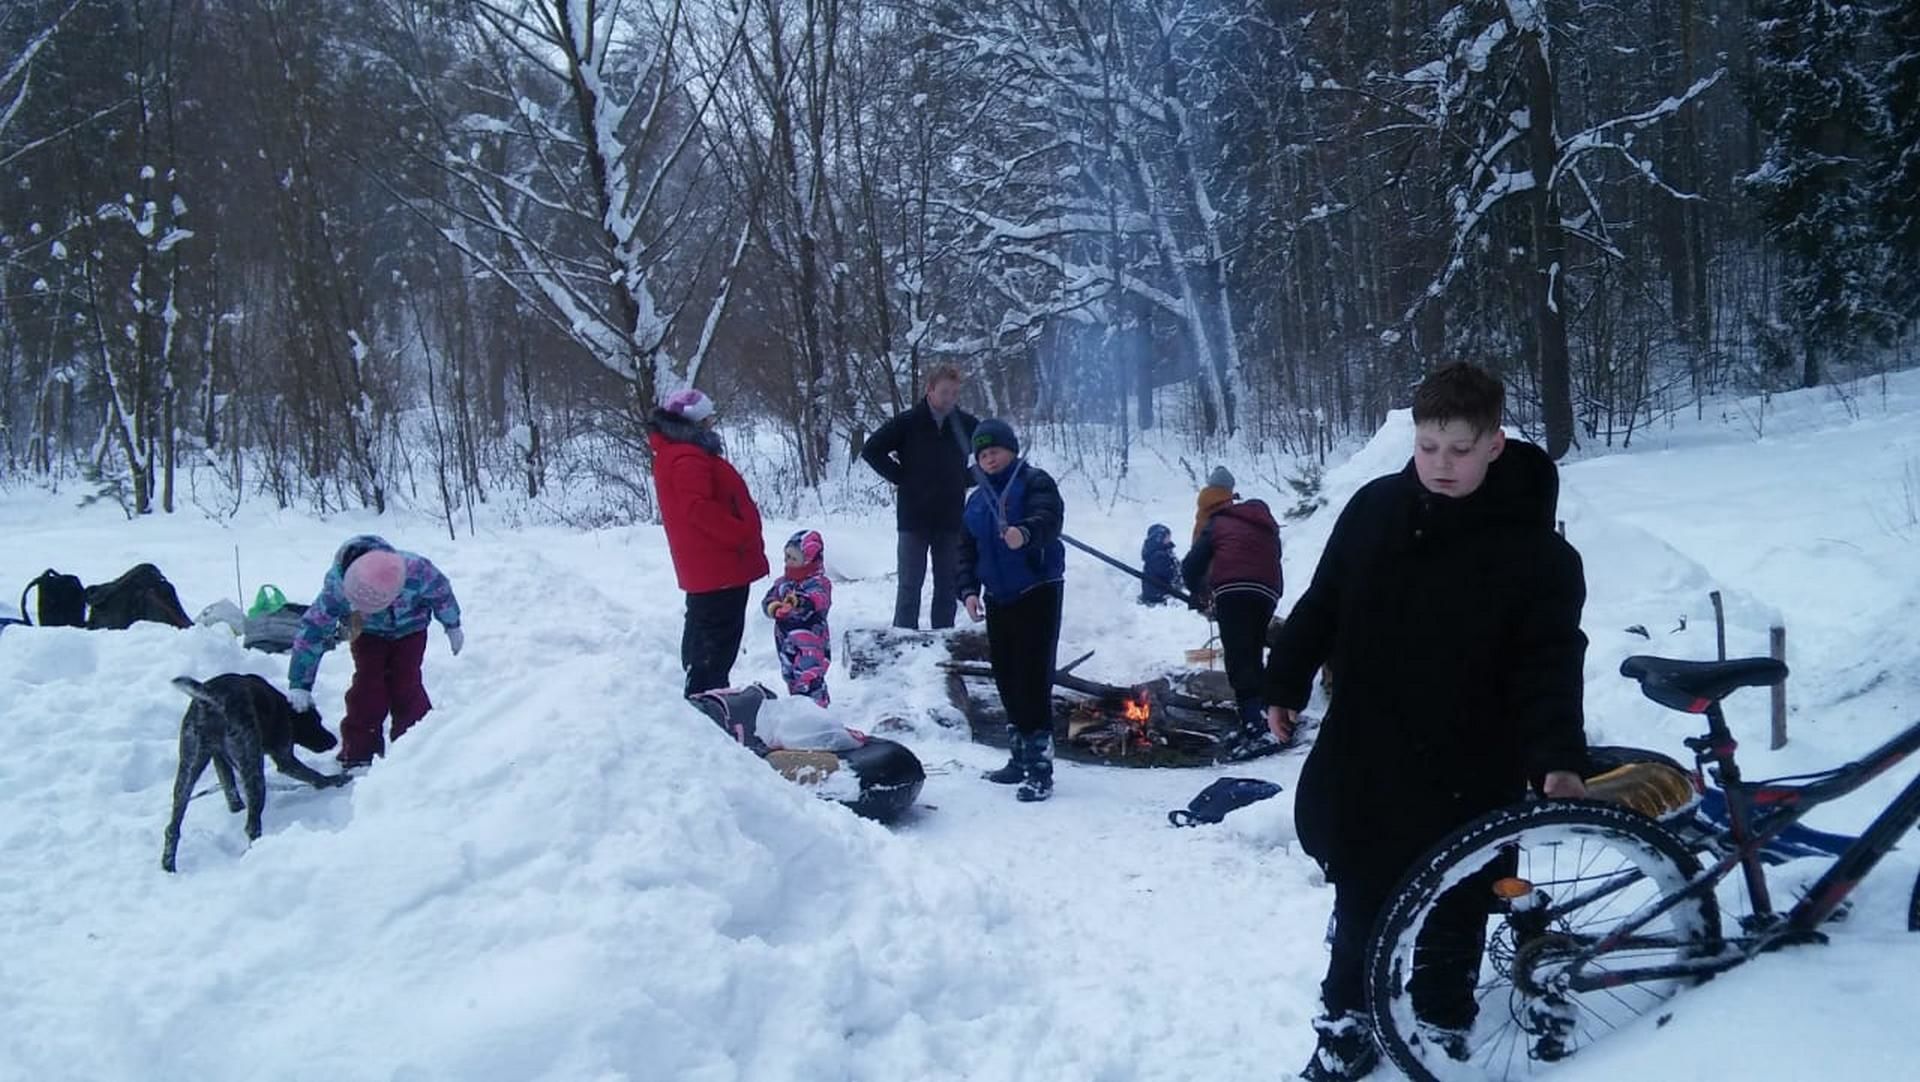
[[798, 603]]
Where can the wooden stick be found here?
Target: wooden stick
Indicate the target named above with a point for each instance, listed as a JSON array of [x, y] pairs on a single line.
[[1778, 641], [1719, 625]]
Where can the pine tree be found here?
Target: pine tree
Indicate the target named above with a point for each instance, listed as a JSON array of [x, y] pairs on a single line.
[[1897, 191], [1824, 124]]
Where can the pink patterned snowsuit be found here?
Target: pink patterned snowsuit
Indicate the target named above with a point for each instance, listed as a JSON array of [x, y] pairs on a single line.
[[798, 604]]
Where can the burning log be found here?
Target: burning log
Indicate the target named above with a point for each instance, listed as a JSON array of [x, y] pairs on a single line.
[[1150, 724]]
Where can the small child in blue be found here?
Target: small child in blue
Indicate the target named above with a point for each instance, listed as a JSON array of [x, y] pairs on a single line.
[[1159, 568], [798, 603]]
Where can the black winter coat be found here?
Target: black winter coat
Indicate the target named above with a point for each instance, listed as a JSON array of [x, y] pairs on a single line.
[[931, 464], [1452, 631]]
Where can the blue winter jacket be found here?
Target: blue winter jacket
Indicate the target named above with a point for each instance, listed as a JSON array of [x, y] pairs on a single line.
[[426, 595], [1020, 496]]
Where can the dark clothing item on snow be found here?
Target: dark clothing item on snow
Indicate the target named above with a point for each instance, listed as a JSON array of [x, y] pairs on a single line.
[[1022, 496], [1221, 796], [712, 525], [929, 460], [1159, 568], [710, 637], [917, 548], [1237, 551], [1453, 628], [386, 680]]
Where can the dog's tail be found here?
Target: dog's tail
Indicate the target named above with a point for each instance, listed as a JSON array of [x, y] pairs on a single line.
[[197, 690]]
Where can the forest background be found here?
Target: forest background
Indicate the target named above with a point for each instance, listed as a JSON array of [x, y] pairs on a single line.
[[342, 253]]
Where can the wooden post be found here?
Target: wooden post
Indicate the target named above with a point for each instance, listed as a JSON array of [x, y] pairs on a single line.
[[1778, 640], [1719, 625]]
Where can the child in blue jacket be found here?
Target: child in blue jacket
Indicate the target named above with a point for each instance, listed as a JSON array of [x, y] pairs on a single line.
[[1010, 550], [1158, 566]]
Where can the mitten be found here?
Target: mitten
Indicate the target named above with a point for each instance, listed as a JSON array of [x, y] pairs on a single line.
[[456, 639], [300, 699]]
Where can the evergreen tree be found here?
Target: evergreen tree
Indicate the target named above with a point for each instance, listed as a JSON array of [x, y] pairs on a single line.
[[1897, 191], [1824, 123]]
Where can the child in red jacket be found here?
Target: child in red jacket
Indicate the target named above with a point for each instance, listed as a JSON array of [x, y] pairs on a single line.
[[713, 533]]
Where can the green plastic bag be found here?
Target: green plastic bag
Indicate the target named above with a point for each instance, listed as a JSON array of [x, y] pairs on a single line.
[[267, 599]]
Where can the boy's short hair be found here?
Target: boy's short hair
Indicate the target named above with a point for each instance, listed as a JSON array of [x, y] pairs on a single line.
[[942, 373], [1460, 391]]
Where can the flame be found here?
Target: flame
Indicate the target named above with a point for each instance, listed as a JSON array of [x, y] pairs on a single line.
[[1138, 709]]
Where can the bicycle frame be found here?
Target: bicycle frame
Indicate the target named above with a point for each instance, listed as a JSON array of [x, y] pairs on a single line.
[[1757, 812]]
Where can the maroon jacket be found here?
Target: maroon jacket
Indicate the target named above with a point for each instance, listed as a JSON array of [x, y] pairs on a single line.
[[1239, 549], [713, 528]]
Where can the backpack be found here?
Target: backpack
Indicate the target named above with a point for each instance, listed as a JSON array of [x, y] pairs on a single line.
[[143, 593], [1221, 796], [63, 601]]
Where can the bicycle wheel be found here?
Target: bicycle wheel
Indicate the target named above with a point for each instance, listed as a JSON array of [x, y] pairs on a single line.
[[1466, 969]]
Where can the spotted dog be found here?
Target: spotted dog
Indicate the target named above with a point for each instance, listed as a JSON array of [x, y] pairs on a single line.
[[237, 720]]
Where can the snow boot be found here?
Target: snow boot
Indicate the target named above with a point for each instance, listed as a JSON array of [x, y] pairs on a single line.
[[1015, 771], [1452, 1042], [1038, 783], [1345, 1051]]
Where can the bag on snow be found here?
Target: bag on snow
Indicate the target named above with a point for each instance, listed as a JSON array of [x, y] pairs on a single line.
[[1221, 796], [62, 600], [143, 593]]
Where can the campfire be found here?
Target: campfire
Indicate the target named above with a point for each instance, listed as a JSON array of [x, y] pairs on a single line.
[[1105, 730]]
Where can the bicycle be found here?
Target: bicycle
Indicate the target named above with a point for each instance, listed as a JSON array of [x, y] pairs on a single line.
[[1539, 928]]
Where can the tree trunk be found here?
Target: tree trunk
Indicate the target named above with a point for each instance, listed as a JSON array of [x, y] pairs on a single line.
[[1549, 253]]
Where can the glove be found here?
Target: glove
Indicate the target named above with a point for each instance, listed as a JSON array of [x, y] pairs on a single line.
[[300, 699], [456, 638]]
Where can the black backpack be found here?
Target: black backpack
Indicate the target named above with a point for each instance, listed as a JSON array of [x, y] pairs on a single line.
[[63, 601], [141, 594]]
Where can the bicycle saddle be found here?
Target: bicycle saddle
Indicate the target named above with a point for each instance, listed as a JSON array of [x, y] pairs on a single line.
[[1693, 686]]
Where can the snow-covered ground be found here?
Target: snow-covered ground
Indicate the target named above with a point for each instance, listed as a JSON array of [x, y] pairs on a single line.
[[566, 873]]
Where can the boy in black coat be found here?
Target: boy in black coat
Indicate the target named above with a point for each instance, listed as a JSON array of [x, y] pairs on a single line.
[[1448, 610]]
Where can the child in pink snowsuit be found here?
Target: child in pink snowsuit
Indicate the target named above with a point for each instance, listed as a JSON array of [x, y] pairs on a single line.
[[798, 603]]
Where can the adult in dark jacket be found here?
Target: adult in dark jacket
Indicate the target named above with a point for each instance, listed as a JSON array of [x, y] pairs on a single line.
[[926, 452], [1011, 552], [713, 533], [1449, 612], [1234, 568]]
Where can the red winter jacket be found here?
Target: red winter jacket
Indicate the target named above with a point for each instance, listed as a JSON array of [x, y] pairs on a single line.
[[713, 528]]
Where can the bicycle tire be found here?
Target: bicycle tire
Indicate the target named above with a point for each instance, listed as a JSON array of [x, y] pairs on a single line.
[[1511, 1023]]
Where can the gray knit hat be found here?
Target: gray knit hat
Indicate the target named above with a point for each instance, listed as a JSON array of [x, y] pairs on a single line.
[[1220, 478]]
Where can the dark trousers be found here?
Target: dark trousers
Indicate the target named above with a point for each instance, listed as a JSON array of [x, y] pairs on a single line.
[[916, 547], [386, 679], [1022, 637], [1243, 616], [1446, 960], [710, 639]]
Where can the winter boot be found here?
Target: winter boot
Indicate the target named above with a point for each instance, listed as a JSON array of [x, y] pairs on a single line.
[[1449, 1041], [1039, 763], [1254, 738], [1015, 771], [1345, 1051]]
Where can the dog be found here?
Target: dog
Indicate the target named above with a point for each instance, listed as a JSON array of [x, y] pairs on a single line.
[[237, 720]]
